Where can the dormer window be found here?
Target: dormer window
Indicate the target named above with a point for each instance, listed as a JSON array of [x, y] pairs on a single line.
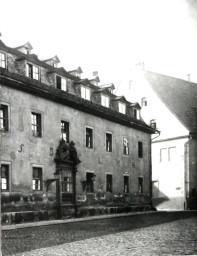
[[32, 71], [144, 102], [2, 60], [85, 93], [122, 107], [61, 83], [136, 113], [105, 101]]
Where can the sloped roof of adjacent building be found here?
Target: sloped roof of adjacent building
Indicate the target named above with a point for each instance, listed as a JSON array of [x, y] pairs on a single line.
[[180, 97]]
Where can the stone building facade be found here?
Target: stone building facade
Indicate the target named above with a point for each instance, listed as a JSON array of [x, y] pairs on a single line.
[[67, 143]]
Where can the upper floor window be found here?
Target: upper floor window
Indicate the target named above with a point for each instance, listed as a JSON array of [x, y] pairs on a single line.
[[37, 179], [36, 125], [61, 83], [125, 146], [85, 93], [144, 102], [4, 177], [140, 149], [105, 101], [2, 60], [65, 131], [3, 117], [108, 142], [32, 71], [109, 183], [136, 113], [89, 138], [122, 108]]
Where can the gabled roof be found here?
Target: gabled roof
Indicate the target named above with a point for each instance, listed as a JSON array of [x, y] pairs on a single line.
[[136, 105], [79, 70], [179, 96], [27, 45], [121, 98], [55, 59], [111, 86]]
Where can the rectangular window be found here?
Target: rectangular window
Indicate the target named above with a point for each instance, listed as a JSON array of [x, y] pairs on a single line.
[[89, 182], [85, 93], [126, 184], [89, 138], [4, 177], [125, 146], [122, 108], [163, 155], [61, 83], [3, 117], [37, 179], [36, 124], [108, 142], [32, 71], [105, 101], [171, 154], [108, 183], [136, 113], [2, 60], [140, 185], [144, 102], [140, 149], [67, 181], [65, 131]]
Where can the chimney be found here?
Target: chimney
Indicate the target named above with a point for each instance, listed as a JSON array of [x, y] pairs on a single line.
[[188, 77], [95, 73]]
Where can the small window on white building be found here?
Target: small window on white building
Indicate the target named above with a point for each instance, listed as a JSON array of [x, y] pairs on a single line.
[[163, 155], [37, 179], [105, 101], [2, 60], [171, 153], [144, 102], [85, 93], [122, 108], [136, 113]]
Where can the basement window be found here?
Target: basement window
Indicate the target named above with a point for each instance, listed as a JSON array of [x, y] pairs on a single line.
[[61, 83], [37, 179], [2, 60]]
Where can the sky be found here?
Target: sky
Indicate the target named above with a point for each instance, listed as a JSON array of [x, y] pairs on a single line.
[[108, 36]]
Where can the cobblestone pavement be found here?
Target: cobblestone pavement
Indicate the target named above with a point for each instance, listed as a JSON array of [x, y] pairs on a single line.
[[178, 237]]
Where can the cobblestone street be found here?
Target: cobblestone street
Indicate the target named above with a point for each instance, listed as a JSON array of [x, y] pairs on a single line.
[[175, 237]]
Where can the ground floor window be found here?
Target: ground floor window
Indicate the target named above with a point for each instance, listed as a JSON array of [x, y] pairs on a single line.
[[109, 182], [90, 182], [4, 177], [67, 181], [126, 184], [140, 185], [37, 179]]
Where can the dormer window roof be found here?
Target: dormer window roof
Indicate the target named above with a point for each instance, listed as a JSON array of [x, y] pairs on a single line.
[[110, 87], [53, 61], [25, 48], [95, 81], [76, 72]]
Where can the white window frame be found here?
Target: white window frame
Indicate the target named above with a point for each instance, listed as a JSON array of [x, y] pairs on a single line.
[[9, 176], [125, 146], [122, 107], [85, 93], [137, 116], [104, 100], [2, 60], [41, 183], [35, 71], [91, 146]]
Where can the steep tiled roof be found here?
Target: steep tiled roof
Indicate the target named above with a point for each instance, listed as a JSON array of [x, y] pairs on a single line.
[[178, 95], [34, 87]]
